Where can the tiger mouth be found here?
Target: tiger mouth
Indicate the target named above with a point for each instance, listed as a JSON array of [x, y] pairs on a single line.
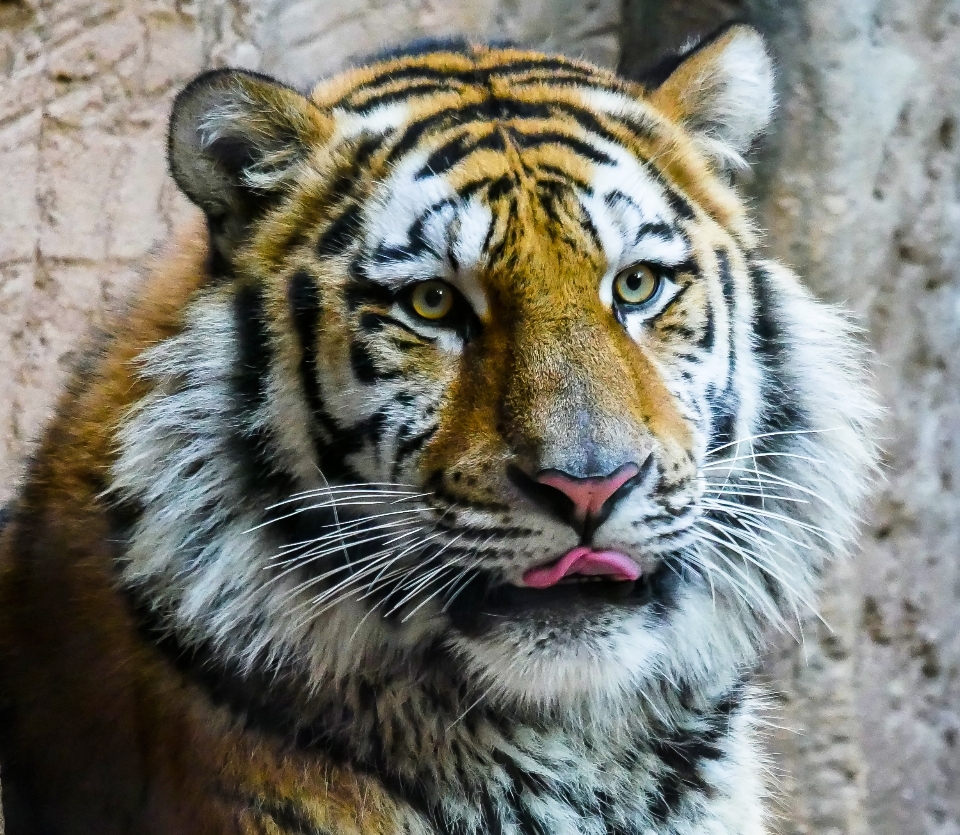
[[488, 601]]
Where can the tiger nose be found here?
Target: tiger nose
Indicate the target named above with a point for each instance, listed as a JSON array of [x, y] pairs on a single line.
[[588, 495], [583, 502]]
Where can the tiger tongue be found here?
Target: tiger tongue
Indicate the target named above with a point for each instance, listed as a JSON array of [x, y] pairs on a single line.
[[583, 561]]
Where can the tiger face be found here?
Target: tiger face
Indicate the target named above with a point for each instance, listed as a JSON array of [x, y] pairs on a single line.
[[489, 334]]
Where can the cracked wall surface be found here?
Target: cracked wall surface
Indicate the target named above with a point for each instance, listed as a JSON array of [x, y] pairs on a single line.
[[859, 185]]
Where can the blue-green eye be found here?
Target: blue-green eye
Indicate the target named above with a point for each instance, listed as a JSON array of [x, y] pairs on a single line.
[[638, 284]]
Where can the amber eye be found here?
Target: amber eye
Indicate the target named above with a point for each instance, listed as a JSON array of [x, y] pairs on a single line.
[[636, 285], [432, 300]]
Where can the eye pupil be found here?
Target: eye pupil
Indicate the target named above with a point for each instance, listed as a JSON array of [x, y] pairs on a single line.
[[434, 297], [634, 280]]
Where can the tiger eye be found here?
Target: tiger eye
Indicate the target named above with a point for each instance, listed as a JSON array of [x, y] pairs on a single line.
[[636, 285], [432, 300]]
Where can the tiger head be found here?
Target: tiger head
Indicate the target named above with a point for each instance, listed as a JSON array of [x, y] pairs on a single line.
[[504, 374]]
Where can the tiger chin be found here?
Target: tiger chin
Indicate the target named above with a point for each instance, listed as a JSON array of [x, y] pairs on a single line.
[[444, 477]]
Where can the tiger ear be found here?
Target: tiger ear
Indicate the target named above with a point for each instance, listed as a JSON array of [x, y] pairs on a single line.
[[235, 140], [722, 90]]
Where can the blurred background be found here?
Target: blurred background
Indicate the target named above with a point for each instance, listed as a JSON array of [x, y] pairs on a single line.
[[858, 184]]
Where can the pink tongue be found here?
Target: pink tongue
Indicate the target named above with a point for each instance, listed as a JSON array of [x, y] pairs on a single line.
[[583, 561]]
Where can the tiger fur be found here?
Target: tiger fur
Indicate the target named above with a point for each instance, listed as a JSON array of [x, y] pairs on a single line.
[[286, 560]]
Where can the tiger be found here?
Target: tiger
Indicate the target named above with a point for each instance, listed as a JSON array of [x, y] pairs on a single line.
[[444, 475]]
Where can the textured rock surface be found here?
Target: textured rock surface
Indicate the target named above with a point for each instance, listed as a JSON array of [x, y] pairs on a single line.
[[860, 187]]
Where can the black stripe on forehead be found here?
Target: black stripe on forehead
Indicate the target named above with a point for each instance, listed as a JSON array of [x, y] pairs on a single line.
[[658, 228], [416, 244], [450, 153], [579, 146], [490, 109], [419, 74]]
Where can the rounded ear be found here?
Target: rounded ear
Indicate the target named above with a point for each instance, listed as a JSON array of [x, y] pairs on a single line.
[[235, 140], [722, 90]]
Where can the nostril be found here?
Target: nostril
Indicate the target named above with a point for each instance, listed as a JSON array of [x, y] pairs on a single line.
[[554, 501], [588, 495]]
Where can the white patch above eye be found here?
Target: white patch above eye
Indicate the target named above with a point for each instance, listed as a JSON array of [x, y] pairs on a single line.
[[400, 202], [471, 227], [433, 233], [631, 212], [633, 219]]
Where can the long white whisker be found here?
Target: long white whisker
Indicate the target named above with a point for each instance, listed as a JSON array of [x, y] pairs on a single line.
[[317, 542], [762, 435]]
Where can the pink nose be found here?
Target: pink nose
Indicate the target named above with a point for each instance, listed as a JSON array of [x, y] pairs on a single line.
[[588, 494]]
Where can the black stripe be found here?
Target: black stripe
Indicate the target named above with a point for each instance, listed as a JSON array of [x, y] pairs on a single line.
[[407, 446], [303, 296], [709, 336], [579, 146], [563, 176], [416, 88], [419, 75], [782, 409], [492, 108], [373, 322], [361, 291], [457, 149], [346, 226], [416, 244], [364, 366], [682, 753], [252, 443], [342, 232]]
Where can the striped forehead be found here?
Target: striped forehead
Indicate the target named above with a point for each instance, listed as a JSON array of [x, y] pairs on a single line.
[[432, 213]]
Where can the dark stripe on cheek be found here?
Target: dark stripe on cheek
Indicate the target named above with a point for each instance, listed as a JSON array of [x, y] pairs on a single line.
[[251, 442], [709, 336], [407, 446], [253, 359], [726, 402], [304, 300], [365, 367], [782, 411]]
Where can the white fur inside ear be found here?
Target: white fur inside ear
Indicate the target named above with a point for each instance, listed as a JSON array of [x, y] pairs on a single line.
[[728, 97]]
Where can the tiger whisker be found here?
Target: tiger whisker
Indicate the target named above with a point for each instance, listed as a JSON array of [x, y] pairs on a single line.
[[746, 511], [759, 597], [761, 561], [352, 526], [779, 433]]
